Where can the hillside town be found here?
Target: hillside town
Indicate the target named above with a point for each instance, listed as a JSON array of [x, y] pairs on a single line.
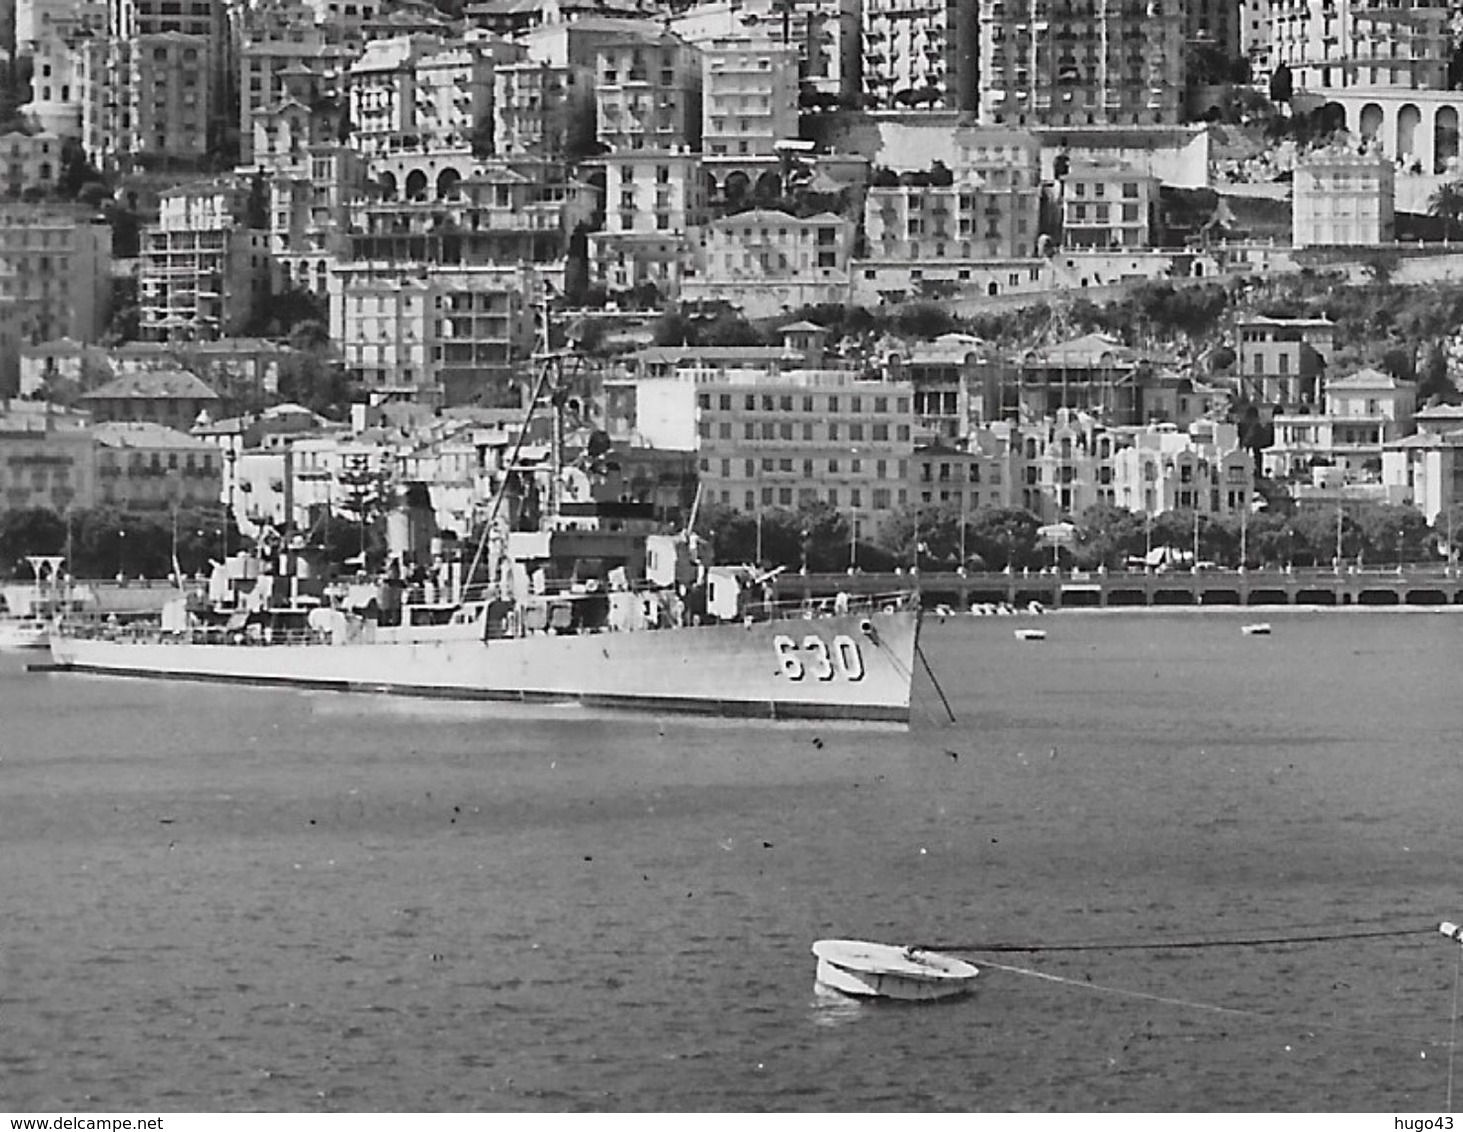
[[963, 284]]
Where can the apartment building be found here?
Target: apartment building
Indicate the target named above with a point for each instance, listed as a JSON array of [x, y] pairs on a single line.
[[143, 466], [648, 88], [423, 92], [55, 102], [48, 461], [1328, 46], [655, 203], [765, 261], [1343, 198], [305, 66], [1081, 62], [148, 101], [55, 278], [308, 217], [166, 396], [1281, 362], [919, 53], [1107, 205], [786, 439], [29, 161], [543, 111], [749, 96], [202, 271], [440, 336], [824, 33], [513, 211], [1163, 468], [1362, 414]]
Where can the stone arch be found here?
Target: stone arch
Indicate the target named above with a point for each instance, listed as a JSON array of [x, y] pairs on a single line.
[[416, 185], [1370, 123], [447, 182], [1445, 139], [387, 182], [738, 185], [1330, 118], [1409, 118], [769, 186], [710, 184]]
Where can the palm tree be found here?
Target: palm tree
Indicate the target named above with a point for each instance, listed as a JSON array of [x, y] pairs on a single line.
[[1447, 203]]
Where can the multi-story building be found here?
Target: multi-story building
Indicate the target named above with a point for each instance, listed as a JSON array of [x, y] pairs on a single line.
[[29, 161], [55, 103], [1363, 414], [768, 261], [303, 117], [968, 219], [1105, 63], [1107, 206], [150, 467], [825, 34], [440, 336], [786, 439], [47, 458], [647, 86], [309, 216], [422, 92], [749, 96], [148, 101], [39, 20], [543, 111], [55, 278], [1340, 197], [173, 398], [277, 68], [920, 53], [203, 271], [1216, 23], [1327, 46], [653, 207], [1163, 468], [514, 211], [1426, 471], [1281, 362]]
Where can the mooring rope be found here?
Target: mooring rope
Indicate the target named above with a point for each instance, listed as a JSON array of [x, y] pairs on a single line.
[[1178, 945], [1209, 1007], [1453, 1028]]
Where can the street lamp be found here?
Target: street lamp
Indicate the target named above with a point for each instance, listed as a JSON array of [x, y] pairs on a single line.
[[121, 547]]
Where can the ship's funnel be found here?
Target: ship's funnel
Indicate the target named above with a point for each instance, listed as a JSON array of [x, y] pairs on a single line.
[[411, 525]]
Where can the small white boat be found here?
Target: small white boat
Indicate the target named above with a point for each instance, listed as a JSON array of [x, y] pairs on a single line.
[[1258, 629], [24, 633], [881, 970], [1031, 634]]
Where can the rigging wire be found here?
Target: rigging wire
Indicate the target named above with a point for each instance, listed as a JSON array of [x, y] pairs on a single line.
[[1453, 1028], [1209, 1007], [1177, 945]]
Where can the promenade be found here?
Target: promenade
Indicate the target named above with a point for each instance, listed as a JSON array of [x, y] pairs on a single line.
[[1413, 586]]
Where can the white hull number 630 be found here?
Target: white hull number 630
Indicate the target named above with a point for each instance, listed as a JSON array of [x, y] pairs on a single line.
[[817, 659]]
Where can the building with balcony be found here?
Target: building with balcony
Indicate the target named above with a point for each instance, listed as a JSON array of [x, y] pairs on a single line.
[[423, 93], [1162, 468], [148, 102], [1363, 414], [825, 34], [309, 215], [513, 211], [767, 261], [920, 53], [1107, 206], [1342, 198], [202, 273], [55, 278], [439, 336], [304, 66], [1058, 63], [141, 466], [749, 96], [543, 111], [654, 206], [1330, 46], [1281, 362], [46, 458]]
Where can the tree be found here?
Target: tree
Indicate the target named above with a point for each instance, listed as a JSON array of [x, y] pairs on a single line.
[[76, 170], [1004, 536], [1446, 203], [1282, 84]]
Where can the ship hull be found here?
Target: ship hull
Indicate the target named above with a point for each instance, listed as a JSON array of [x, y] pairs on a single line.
[[840, 667]]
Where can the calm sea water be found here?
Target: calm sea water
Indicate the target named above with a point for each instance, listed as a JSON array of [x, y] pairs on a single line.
[[221, 899]]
